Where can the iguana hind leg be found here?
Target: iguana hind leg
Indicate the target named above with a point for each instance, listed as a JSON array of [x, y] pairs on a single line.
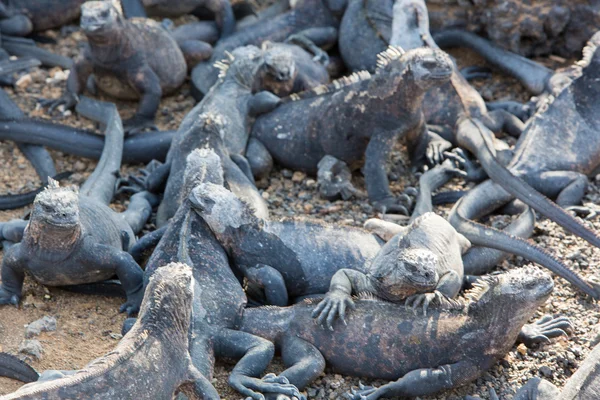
[[303, 361], [139, 210]]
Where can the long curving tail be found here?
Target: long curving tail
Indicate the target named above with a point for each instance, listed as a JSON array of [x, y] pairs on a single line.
[[473, 138], [482, 235], [12, 201], [531, 74], [12, 367]]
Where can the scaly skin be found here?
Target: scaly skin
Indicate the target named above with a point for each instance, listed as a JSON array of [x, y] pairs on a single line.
[[311, 17], [219, 299], [382, 108], [129, 59], [26, 16], [151, 362], [221, 122], [76, 238], [421, 263], [426, 354], [540, 159]]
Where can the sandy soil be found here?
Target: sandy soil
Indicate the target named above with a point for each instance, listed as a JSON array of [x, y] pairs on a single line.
[[88, 326]]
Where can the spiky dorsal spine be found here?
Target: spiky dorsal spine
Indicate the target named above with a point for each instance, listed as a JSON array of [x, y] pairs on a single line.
[[223, 65], [388, 55], [329, 87]]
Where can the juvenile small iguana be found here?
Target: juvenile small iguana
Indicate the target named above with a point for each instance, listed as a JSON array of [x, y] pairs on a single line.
[[316, 20], [219, 299], [355, 118], [429, 245], [221, 122], [129, 59], [446, 348], [75, 238], [151, 362]]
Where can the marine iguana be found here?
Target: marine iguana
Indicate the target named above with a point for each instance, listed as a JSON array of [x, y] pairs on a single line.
[[219, 299], [22, 17], [369, 26], [129, 59], [75, 238], [314, 19], [221, 122], [540, 159], [429, 245], [151, 362], [383, 108], [384, 341]]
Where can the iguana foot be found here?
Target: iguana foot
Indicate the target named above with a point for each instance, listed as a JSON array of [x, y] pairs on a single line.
[[435, 150], [587, 211], [361, 393], [253, 388], [332, 306], [543, 329], [8, 298], [138, 123], [424, 299], [135, 184], [393, 205], [134, 301], [68, 100], [463, 166], [335, 179]]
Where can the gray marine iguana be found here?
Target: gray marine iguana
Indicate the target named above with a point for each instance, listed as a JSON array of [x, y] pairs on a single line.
[[22, 17], [129, 59], [76, 238], [221, 122], [316, 20], [219, 299], [429, 245], [151, 362], [355, 118], [447, 348]]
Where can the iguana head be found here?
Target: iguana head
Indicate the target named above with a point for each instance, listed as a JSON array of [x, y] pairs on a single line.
[[201, 165], [219, 207], [167, 305], [278, 62], [429, 67], [520, 290], [99, 18], [56, 206], [400, 270]]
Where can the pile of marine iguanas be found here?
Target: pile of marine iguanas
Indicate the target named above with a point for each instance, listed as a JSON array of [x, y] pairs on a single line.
[[325, 87]]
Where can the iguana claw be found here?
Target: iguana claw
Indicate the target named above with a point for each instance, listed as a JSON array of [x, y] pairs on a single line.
[[68, 100], [424, 299], [8, 298], [543, 329]]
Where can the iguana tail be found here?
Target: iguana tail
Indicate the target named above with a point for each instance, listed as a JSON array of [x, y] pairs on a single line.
[[482, 235], [101, 184], [531, 74], [23, 47], [12, 367], [12, 201], [473, 138]]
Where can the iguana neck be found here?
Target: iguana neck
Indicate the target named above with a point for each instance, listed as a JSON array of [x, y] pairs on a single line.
[[49, 239], [108, 48]]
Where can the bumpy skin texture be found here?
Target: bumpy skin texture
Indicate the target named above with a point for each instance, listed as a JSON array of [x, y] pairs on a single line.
[[76, 238], [359, 117], [530, 28], [219, 299], [286, 258], [427, 354], [310, 17], [40, 15], [157, 345], [421, 263], [369, 26], [540, 159], [221, 122], [130, 59]]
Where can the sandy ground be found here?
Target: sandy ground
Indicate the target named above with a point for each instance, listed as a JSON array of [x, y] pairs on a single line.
[[88, 326]]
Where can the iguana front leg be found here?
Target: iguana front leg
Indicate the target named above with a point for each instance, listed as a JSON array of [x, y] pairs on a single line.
[[339, 297], [79, 74], [425, 381], [139, 210], [447, 288], [255, 354], [223, 14], [543, 329], [13, 275], [147, 84], [13, 230]]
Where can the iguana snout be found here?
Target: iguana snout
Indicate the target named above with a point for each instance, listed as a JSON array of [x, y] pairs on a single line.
[[97, 16], [430, 67]]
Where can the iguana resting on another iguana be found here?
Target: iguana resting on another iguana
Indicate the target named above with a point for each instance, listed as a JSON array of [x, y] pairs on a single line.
[[446, 348], [221, 122], [219, 299], [355, 118], [75, 238], [151, 362], [129, 59], [315, 20]]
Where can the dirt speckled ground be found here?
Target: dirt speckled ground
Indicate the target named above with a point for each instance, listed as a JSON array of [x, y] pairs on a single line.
[[87, 325]]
